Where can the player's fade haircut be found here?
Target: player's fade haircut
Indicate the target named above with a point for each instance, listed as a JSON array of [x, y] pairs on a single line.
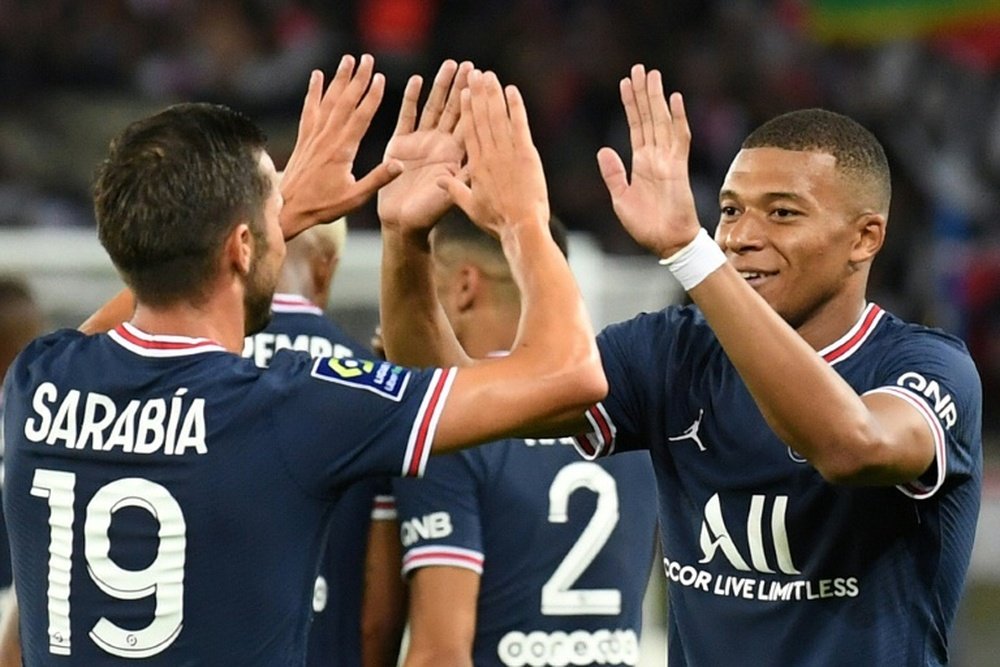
[[172, 187], [859, 154], [455, 227]]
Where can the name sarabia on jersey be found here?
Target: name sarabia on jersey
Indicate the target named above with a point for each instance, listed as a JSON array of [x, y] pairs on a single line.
[[173, 425]]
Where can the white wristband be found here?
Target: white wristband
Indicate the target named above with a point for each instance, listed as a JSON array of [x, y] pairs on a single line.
[[695, 261]]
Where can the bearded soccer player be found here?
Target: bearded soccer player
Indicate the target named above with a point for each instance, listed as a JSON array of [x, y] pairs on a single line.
[[167, 499]]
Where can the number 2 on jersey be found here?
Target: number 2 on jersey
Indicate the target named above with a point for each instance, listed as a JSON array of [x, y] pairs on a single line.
[[164, 577], [559, 598]]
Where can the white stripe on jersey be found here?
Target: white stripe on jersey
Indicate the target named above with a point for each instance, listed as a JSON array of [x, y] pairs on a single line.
[[293, 303], [917, 489], [418, 446], [442, 555], [384, 508], [148, 345]]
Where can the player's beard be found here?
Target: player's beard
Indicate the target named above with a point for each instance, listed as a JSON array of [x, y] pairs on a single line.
[[257, 296]]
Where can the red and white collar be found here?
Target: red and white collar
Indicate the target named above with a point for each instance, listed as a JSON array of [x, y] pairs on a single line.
[[293, 303], [856, 336], [149, 345]]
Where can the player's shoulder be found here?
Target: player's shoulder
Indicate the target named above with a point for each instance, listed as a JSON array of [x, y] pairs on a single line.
[[50, 345], [674, 322], [903, 338]]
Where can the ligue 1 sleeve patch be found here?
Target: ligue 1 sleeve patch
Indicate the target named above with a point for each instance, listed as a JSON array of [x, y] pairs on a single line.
[[379, 377]]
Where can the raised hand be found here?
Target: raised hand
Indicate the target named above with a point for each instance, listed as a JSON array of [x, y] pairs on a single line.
[[657, 206], [506, 181], [428, 149], [319, 183]]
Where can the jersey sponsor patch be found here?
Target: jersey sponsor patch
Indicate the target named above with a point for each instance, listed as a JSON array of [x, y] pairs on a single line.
[[379, 377]]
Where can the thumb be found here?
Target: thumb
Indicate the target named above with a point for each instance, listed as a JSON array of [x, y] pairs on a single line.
[[612, 171], [459, 192], [381, 175]]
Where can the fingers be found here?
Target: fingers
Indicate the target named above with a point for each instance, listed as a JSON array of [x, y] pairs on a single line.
[[612, 171], [341, 78], [370, 183], [479, 112], [659, 114], [680, 130], [407, 119], [497, 120], [361, 117], [310, 106], [639, 86], [438, 96], [452, 108], [631, 113], [518, 117], [652, 120], [460, 193], [468, 127]]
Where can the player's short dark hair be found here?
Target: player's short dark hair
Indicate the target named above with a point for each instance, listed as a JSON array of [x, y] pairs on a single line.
[[456, 226], [172, 187], [858, 153]]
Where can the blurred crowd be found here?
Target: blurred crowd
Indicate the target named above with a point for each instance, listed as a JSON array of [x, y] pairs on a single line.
[[73, 72]]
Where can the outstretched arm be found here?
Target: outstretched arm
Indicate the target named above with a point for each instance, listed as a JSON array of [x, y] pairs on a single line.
[[318, 183], [553, 368], [872, 439], [415, 329]]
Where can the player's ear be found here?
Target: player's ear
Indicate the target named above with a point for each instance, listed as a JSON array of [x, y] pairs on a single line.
[[470, 281], [239, 248], [869, 237], [322, 266]]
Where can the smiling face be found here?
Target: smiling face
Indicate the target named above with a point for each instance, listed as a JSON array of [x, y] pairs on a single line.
[[797, 230]]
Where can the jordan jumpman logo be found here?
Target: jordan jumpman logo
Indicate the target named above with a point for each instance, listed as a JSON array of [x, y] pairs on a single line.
[[691, 432]]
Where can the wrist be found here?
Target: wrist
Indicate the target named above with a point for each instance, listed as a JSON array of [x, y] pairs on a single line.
[[406, 240], [695, 261]]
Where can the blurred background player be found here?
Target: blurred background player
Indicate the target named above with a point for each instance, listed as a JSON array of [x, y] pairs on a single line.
[[516, 549], [21, 320], [358, 602]]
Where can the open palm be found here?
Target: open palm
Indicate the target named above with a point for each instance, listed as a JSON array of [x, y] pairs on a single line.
[[428, 150], [657, 206]]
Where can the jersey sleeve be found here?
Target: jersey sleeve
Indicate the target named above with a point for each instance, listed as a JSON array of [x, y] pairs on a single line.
[[636, 356], [935, 374], [384, 501], [439, 516], [337, 420]]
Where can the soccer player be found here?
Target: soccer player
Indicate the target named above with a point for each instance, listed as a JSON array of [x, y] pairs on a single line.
[[519, 551], [818, 460], [21, 320], [166, 498], [358, 584]]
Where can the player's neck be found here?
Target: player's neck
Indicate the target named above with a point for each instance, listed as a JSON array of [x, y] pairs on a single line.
[[220, 320], [489, 332], [832, 320]]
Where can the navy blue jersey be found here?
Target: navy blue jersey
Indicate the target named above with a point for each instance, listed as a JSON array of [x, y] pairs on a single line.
[[564, 547], [767, 563], [335, 631], [167, 500]]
